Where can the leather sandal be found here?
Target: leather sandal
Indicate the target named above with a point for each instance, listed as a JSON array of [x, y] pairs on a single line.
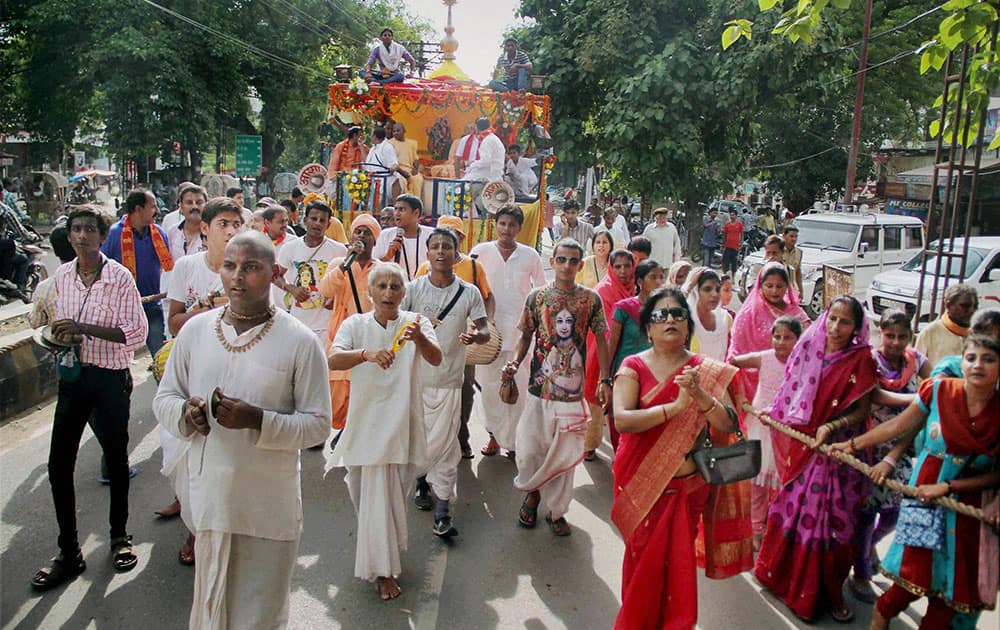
[[527, 517], [123, 558], [60, 570], [559, 526]]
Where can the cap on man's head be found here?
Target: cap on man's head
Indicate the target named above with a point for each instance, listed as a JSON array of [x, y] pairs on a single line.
[[661, 211], [453, 223]]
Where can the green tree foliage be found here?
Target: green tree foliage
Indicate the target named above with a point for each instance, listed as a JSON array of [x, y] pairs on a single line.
[[644, 88], [808, 97], [961, 22], [152, 77]]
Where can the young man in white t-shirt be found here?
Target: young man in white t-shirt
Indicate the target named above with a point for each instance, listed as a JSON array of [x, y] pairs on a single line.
[[407, 244], [302, 263], [449, 303], [194, 283]]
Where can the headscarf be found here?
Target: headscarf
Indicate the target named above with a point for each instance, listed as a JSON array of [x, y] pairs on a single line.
[[806, 367], [752, 325], [611, 289], [712, 343], [367, 221], [676, 269]]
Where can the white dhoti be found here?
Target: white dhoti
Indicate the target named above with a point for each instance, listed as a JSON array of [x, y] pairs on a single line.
[[549, 446], [241, 581], [500, 419], [442, 419], [175, 468], [379, 496]]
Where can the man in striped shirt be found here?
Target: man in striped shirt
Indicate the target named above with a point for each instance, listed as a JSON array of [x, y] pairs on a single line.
[[98, 307], [516, 67]]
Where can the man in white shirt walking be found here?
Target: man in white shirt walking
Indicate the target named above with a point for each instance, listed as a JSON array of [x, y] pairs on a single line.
[[407, 244], [449, 303], [302, 264], [512, 269], [667, 248], [247, 419]]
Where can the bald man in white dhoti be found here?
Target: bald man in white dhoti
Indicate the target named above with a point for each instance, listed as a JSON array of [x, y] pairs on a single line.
[[246, 386]]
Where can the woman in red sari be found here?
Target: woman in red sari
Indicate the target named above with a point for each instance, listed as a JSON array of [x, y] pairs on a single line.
[[808, 546], [664, 400], [617, 285]]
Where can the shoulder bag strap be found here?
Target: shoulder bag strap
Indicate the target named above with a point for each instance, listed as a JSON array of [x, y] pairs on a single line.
[[451, 304]]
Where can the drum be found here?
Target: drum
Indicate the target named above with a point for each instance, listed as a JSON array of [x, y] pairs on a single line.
[[486, 353], [160, 360]]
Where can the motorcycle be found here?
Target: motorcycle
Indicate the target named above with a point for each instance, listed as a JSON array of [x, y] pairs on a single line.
[[753, 242]]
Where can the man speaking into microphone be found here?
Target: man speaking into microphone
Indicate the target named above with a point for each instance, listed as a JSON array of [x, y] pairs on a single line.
[[346, 285]]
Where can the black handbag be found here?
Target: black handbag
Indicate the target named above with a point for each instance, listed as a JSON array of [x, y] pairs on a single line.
[[727, 464]]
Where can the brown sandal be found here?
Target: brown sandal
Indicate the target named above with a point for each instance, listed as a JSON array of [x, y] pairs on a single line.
[[61, 569], [123, 558]]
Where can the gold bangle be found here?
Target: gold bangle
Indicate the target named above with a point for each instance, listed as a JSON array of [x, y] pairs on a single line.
[[715, 401]]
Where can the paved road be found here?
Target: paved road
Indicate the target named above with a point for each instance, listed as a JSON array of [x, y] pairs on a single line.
[[494, 575]]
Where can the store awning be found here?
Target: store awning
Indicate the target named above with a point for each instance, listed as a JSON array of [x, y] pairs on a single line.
[[923, 174]]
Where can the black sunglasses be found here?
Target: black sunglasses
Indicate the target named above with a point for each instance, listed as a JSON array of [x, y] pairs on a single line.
[[676, 313]]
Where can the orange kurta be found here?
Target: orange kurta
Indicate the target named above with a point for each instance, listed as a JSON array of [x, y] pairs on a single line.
[[345, 157], [335, 284]]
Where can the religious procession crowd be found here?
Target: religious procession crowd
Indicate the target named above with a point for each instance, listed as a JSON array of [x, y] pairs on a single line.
[[276, 338], [276, 329]]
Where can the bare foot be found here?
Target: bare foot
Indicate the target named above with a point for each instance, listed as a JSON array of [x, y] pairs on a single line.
[[186, 555], [388, 588], [878, 621], [171, 510]]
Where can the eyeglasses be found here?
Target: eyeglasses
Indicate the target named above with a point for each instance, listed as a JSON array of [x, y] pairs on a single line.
[[677, 313], [562, 260]]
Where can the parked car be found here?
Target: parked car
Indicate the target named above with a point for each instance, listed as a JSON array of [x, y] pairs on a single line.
[[898, 288], [864, 244]]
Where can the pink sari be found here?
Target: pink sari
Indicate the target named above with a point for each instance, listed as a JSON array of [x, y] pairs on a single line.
[[752, 326]]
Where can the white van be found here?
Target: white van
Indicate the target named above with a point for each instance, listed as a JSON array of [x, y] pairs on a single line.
[[898, 288], [865, 244]]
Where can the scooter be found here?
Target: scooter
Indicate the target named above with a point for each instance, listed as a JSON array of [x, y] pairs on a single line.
[[36, 269]]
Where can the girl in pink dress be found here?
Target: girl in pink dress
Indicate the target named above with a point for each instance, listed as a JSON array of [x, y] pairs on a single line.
[[771, 369]]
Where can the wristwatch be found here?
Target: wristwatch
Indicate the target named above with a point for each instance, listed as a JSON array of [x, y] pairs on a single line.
[[606, 381]]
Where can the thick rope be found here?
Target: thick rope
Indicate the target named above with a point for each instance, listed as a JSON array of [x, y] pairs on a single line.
[[857, 464]]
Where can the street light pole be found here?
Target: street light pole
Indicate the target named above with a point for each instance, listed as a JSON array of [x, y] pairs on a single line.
[[859, 99]]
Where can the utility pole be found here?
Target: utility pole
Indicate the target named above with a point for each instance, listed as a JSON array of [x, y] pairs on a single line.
[[859, 99]]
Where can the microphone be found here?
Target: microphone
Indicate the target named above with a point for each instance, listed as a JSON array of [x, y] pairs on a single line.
[[347, 261]]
